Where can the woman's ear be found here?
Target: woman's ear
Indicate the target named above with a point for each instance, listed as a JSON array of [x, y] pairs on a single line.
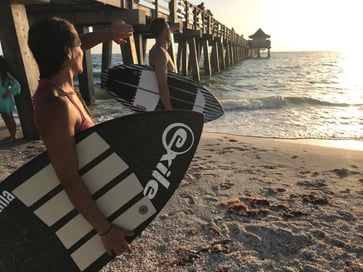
[[68, 58], [69, 55]]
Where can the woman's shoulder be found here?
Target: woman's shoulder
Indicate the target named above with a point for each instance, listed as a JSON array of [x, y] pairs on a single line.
[[52, 110], [158, 57], [47, 98], [157, 51]]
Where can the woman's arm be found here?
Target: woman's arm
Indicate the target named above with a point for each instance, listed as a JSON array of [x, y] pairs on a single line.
[[119, 31], [57, 125], [160, 62], [14, 85]]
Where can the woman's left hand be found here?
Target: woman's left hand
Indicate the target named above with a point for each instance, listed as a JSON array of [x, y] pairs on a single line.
[[6, 95], [121, 31]]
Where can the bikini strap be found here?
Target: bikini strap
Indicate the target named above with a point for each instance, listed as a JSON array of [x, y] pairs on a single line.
[[69, 97]]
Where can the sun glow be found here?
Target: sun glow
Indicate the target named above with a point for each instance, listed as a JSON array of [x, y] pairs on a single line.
[[351, 79], [352, 64]]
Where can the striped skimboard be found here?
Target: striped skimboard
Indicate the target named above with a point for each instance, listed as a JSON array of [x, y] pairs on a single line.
[[132, 165], [135, 86]]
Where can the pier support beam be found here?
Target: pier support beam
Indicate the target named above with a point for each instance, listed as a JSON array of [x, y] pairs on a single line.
[[140, 47], [227, 55], [194, 59], [129, 54], [222, 56], [206, 56], [215, 57], [106, 57], [182, 59], [172, 54]]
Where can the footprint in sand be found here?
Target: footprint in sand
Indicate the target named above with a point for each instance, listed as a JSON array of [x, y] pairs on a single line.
[[343, 173], [272, 243]]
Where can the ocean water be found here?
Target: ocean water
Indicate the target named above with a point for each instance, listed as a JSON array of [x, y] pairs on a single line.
[[292, 95]]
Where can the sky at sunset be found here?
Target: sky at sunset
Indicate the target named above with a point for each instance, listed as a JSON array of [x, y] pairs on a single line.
[[294, 25]]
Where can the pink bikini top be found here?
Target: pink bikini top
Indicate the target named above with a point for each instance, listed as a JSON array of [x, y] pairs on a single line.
[[42, 83]]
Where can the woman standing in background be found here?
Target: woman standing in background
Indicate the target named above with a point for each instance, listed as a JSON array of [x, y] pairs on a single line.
[[9, 87]]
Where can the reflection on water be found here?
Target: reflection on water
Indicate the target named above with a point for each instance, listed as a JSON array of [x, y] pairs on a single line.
[[292, 95]]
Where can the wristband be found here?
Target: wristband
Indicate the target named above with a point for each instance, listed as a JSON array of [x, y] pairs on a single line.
[[107, 231]]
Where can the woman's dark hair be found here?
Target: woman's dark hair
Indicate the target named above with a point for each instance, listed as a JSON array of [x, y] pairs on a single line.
[[4, 69], [157, 26], [49, 40]]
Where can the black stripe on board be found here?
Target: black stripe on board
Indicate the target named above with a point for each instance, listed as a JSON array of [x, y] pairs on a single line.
[[95, 161], [41, 201]]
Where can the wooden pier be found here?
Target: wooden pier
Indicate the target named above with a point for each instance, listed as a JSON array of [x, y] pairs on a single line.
[[200, 34]]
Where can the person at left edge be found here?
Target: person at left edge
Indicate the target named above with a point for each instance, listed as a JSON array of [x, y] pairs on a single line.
[[59, 111], [9, 87]]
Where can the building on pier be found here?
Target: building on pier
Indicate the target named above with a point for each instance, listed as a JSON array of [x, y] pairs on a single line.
[[259, 41]]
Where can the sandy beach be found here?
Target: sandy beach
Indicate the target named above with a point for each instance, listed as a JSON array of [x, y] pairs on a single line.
[[249, 204]]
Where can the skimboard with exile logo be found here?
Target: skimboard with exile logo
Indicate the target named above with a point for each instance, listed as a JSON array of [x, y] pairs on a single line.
[[135, 86], [132, 165]]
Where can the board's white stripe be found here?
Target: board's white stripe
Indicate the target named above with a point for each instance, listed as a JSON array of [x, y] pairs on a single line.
[[147, 100], [88, 253], [199, 102], [87, 154], [37, 186], [46, 180], [136, 215], [103, 172], [73, 231], [96, 178], [110, 202], [119, 195], [55, 208], [93, 248]]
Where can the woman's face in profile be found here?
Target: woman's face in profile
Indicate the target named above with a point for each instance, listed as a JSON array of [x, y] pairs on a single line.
[[77, 54]]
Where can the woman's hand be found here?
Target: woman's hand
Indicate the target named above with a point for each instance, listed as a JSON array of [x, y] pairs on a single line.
[[115, 240], [6, 94], [120, 31]]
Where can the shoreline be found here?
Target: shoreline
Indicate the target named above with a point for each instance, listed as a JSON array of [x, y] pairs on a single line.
[[112, 110], [338, 144]]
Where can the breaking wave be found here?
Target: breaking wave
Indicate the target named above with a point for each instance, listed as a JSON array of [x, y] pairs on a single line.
[[277, 102]]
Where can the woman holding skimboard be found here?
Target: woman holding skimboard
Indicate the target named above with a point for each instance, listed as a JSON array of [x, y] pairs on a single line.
[[59, 111]]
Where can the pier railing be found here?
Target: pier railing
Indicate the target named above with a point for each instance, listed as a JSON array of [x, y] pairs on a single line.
[[182, 12]]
